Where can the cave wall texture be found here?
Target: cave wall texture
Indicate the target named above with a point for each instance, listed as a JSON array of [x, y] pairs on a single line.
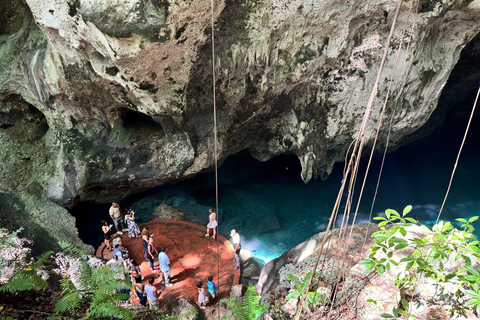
[[104, 98]]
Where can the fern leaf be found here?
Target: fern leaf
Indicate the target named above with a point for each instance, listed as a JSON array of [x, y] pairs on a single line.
[[69, 302], [24, 283], [58, 318], [107, 310], [42, 259]]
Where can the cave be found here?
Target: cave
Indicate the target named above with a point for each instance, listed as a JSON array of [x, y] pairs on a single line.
[[22, 121], [140, 125]]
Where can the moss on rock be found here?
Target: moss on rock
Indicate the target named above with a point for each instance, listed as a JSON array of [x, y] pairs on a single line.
[[44, 222]]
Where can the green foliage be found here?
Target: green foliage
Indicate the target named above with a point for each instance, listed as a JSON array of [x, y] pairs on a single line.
[[246, 308], [94, 292], [89, 293], [313, 297], [427, 257], [26, 272]]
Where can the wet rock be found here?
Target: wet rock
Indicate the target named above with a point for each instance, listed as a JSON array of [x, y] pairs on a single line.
[[167, 212]]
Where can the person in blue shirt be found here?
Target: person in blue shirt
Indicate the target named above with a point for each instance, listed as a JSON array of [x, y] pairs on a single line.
[[164, 264], [120, 252], [211, 286]]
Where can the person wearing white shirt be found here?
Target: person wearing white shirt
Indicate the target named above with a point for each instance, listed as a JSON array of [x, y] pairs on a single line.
[[237, 246]]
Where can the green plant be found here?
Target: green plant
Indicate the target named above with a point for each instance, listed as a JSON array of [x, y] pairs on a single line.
[[313, 296], [93, 291], [434, 255], [22, 271], [246, 308]]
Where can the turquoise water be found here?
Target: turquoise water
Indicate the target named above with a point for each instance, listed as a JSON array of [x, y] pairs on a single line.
[[274, 210]]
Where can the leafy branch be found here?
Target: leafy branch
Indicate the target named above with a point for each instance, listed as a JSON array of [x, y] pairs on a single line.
[[430, 256]]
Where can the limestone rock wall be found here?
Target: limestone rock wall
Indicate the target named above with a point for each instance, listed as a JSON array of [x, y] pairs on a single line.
[[43, 222], [102, 98]]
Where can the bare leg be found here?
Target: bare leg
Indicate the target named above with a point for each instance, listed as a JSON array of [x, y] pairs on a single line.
[[208, 232], [116, 225], [237, 260], [107, 243]]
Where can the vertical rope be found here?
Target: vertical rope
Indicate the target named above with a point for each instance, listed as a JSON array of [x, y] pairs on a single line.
[[387, 139], [357, 150], [215, 143], [214, 115], [367, 170], [458, 155]]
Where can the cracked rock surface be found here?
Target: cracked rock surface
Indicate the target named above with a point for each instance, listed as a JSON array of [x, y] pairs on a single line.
[[99, 99]]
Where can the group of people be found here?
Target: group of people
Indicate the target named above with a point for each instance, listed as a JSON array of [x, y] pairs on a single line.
[[118, 218], [148, 292]]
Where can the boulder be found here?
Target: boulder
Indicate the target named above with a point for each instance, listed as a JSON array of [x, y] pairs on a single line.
[[236, 291], [184, 309], [383, 291], [167, 212]]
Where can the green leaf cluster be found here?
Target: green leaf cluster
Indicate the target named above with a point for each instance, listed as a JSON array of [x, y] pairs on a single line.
[[426, 256], [313, 298], [246, 308], [96, 292], [26, 272]]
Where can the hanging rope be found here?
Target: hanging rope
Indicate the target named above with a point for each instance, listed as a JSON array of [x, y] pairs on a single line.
[[357, 152], [380, 122], [458, 155], [387, 139], [215, 144]]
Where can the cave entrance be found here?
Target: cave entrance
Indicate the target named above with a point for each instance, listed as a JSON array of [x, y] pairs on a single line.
[[140, 125]]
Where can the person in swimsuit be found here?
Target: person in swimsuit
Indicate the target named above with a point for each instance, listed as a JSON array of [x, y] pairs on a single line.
[[212, 223]]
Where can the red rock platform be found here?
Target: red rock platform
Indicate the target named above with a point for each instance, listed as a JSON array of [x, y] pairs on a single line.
[[193, 257]]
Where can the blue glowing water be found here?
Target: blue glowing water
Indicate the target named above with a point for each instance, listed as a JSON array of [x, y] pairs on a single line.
[[274, 210]]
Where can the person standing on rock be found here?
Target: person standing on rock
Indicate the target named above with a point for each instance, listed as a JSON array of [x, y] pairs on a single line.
[[152, 294], [164, 264], [202, 297], [116, 215], [212, 223], [237, 246], [152, 252], [133, 230], [211, 286], [106, 229], [145, 235], [140, 290]]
